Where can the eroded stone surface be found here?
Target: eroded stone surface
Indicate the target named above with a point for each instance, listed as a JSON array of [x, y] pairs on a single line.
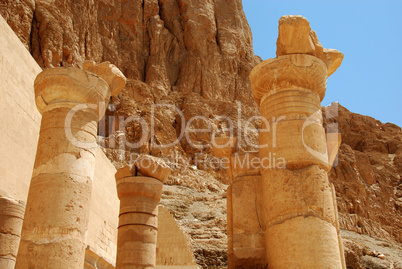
[[300, 215], [55, 224], [289, 71], [11, 216], [245, 221], [296, 37], [152, 167], [293, 236], [109, 72], [138, 220], [173, 247], [70, 87], [195, 55], [366, 179]]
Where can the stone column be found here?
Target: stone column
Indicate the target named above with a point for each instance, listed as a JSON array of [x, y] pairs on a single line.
[[71, 102], [299, 211], [11, 216], [139, 189], [246, 245], [247, 231]]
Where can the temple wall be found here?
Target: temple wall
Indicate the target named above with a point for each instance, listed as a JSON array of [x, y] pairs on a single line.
[[104, 215], [18, 115], [172, 250]]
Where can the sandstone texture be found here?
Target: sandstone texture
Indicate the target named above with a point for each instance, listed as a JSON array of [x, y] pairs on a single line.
[[12, 214], [368, 174], [296, 37], [300, 221], [197, 56], [138, 220], [172, 245], [57, 212]]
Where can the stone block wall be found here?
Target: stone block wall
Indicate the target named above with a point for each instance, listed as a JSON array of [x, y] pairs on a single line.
[[19, 118], [172, 250], [104, 214]]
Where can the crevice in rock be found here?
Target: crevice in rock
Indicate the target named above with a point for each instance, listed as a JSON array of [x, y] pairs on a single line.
[[256, 212], [217, 30], [33, 24], [86, 45]]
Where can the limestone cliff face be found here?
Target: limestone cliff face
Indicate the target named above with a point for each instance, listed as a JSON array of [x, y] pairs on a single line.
[[172, 45], [196, 55], [368, 184], [368, 177]]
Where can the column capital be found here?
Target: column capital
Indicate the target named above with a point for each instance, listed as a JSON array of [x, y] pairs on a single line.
[[151, 166], [109, 72], [70, 86], [139, 186], [301, 61], [286, 71]]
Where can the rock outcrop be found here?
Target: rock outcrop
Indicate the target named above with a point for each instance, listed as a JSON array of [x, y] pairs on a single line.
[[368, 176], [197, 56]]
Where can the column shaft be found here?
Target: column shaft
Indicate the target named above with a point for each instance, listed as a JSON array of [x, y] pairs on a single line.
[[56, 217], [71, 102], [300, 219], [299, 209], [138, 220], [246, 248]]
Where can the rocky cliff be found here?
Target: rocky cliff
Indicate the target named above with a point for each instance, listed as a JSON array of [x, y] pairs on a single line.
[[368, 183], [187, 58]]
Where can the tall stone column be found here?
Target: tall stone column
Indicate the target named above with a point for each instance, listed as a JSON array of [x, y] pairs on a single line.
[[71, 102], [11, 216], [246, 244], [139, 189], [299, 211], [247, 248]]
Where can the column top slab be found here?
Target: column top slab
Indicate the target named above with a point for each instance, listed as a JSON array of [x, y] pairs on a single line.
[[296, 37], [109, 72]]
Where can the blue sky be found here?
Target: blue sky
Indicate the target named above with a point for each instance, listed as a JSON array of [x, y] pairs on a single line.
[[369, 33]]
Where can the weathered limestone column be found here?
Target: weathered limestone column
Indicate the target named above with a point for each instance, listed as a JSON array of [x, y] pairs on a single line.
[[247, 231], [11, 216], [71, 102], [246, 244], [139, 189], [299, 211]]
